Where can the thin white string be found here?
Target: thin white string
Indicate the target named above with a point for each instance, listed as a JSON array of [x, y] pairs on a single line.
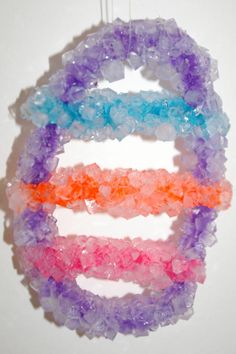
[[101, 11], [130, 10], [112, 11], [107, 11]]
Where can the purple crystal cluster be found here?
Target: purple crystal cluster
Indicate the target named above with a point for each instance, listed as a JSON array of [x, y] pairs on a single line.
[[170, 55], [98, 316], [33, 227], [39, 156], [166, 50]]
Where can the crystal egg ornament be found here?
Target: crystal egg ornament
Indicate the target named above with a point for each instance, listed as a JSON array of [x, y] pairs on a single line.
[[72, 105]]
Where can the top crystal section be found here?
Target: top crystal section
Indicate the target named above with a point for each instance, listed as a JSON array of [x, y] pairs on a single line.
[[168, 52]]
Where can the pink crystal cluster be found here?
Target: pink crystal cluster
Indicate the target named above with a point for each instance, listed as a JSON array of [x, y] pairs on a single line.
[[152, 264], [68, 106]]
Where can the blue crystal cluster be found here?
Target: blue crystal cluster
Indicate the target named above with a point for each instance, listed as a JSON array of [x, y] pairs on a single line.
[[105, 114]]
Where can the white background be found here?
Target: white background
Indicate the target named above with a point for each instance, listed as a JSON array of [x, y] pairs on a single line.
[[33, 34]]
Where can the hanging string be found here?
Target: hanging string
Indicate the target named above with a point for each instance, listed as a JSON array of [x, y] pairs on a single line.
[[101, 11], [106, 11], [130, 10], [112, 11]]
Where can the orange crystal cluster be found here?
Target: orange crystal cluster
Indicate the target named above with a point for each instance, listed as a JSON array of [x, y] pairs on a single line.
[[128, 192]]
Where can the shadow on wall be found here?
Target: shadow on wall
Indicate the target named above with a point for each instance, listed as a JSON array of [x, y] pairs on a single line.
[[26, 127]]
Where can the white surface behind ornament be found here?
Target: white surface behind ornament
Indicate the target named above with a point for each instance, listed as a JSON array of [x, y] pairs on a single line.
[[30, 33]]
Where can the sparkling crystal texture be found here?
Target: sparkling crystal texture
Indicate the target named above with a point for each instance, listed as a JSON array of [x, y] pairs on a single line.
[[71, 105]]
